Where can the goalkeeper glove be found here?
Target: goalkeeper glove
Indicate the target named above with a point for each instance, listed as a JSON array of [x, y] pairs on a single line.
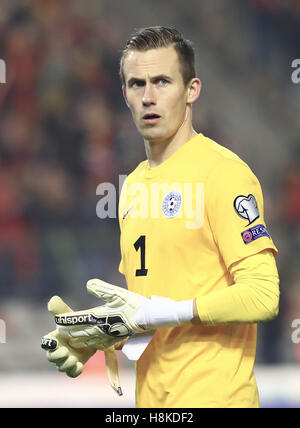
[[124, 313], [59, 351], [141, 314], [70, 360]]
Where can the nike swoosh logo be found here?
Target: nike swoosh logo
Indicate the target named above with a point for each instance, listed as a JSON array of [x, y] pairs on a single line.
[[125, 215]]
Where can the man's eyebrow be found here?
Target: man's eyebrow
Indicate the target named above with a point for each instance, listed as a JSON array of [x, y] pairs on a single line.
[[161, 77], [152, 79], [134, 80]]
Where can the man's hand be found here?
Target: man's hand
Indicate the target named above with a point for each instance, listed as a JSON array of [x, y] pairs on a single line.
[[65, 357], [70, 360], [105, 325], [123, 314]]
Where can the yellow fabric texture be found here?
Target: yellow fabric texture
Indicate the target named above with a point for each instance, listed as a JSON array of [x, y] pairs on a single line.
[[191, 253], [254, 296]]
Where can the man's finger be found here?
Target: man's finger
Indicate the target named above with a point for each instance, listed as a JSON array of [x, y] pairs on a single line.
[[49, 343], [69, 364], [57, 306], [59, 355], [114, 296], [76, 370]]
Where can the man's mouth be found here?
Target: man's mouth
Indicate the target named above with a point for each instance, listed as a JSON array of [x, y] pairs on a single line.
[[151, 118]]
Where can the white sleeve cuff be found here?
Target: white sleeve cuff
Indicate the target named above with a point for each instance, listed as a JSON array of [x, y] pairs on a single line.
[[163, 312]]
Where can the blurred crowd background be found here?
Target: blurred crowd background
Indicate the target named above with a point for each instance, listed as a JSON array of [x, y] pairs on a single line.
[[64, 129]]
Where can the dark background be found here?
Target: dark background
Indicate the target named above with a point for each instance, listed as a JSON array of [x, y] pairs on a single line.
[[64, 129]]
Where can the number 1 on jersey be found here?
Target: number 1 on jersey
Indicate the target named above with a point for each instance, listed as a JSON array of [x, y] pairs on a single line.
[[141, 244]]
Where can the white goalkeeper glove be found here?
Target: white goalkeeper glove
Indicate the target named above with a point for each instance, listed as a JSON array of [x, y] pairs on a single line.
[[123, 314], [65, 357], [63, 354], [141, 314], [104, 325]]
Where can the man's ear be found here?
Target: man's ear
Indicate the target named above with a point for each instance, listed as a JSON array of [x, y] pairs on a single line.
[[124, 95], [194, 90]]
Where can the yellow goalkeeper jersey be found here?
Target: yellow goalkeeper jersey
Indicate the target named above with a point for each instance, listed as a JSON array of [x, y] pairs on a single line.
[[183, 224]]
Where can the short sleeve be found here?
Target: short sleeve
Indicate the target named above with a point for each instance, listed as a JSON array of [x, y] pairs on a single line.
[[235, 211]]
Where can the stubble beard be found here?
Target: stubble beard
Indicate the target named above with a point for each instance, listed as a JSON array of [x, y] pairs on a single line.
[[152, 134]]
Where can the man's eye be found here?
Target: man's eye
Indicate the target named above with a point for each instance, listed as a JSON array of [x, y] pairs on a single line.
[[162, 82], [137, 84]]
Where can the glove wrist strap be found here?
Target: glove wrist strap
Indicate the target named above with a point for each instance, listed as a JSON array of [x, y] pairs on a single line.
[[162, 312]]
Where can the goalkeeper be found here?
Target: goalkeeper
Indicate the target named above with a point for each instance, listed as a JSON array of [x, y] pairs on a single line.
[[195, 251]]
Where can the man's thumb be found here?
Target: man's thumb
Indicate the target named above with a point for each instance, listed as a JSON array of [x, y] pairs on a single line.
[[111, 294], [57, 306]]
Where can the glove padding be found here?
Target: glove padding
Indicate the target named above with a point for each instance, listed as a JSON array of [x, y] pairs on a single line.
[[136, 313], [70, 360], [65, 357], [105, 325]]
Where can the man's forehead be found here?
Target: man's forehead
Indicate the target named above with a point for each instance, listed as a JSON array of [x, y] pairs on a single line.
[[152, 62]]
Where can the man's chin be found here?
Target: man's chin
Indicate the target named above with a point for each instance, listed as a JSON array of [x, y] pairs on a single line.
[[154, 136]]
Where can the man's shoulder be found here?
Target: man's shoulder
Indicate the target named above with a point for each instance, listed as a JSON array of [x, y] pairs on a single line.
[[135, 174], [214, 159], [224, 167], [216, 152]]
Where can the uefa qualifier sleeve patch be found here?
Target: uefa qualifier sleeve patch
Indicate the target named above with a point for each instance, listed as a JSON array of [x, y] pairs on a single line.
[[246, 207], [254, 233]]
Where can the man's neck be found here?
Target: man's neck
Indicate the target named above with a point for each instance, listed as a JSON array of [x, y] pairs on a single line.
[[159, 151]]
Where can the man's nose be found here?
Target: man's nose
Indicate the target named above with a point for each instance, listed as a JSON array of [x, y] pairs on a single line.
[[149, 95]]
